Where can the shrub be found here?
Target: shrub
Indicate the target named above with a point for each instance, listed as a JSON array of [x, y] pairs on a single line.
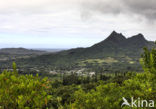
[[23, 91]]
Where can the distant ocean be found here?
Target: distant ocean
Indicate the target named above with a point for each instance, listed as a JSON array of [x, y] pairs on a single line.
[[48, 49]]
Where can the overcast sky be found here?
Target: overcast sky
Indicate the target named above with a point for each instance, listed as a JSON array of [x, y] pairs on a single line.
[[73, 23]]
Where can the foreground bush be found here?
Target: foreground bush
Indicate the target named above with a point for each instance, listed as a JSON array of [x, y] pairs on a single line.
[[22, 91]]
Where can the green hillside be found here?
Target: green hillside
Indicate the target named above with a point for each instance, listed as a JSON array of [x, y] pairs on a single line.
[[115, 53]]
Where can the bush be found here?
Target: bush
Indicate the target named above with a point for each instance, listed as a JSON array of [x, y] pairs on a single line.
[[149, 60], [23, 91]]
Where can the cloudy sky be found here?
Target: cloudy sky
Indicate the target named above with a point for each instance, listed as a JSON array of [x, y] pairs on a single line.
[[73, 23]]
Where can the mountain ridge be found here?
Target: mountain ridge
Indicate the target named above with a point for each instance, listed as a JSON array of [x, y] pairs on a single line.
[[119, 38], [111, 46], [124, 51]]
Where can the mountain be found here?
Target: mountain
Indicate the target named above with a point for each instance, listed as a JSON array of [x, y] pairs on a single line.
[[115, 52], [20, 51], [115, 38], [117, 44], [10, 54]]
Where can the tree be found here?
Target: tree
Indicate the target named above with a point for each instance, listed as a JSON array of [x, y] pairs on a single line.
[[149, 60]]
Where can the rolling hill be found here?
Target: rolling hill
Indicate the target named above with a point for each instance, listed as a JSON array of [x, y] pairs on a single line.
[[20, 51], [17, 53]]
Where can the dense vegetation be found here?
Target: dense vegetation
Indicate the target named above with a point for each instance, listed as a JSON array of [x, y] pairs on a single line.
[[109, 96], [78, 92], [23, 91]]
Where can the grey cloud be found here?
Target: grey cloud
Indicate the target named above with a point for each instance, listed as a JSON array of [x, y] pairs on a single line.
[[146, 8], [143, 8]]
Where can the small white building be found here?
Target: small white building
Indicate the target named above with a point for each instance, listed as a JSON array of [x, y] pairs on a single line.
[[91, 74], [53, 72]]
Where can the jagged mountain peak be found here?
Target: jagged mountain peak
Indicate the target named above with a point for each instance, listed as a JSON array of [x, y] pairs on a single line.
[[139, 37], [117, 40], [114, 33], [115, 37]]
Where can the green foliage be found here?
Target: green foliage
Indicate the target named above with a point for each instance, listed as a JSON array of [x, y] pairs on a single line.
[[14, 67], [71, 79], [109, 96], [23, 91], [149, 60]]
